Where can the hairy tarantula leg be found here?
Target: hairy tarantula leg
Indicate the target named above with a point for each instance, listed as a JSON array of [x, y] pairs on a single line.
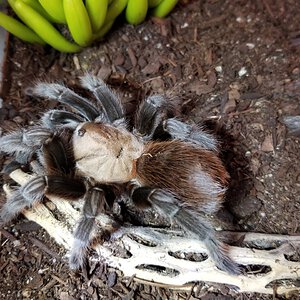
[[192, 221], [109, 102], [24, 143], [64, 187], [57, 118], [11, 166], [94, 200], [13, 206], [65, 95], [188, 133], [25, 196], [34, 191], [149, 115]]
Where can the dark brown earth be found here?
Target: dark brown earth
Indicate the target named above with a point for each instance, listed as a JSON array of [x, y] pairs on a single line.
[[235, 66]]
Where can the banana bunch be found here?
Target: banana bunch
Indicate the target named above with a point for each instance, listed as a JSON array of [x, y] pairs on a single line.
[[87, 20]]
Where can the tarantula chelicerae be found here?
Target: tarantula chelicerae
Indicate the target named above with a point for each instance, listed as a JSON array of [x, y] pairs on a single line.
[[167, 164]]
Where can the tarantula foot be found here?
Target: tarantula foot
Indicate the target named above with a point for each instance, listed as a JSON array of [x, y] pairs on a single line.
[[11, 166], [192, 134], [2, 222], [229, 266], [218, 251], [11, 208], [75, 263], [77, 255]]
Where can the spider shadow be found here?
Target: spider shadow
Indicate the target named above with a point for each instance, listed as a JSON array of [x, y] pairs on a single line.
[[241, 177]]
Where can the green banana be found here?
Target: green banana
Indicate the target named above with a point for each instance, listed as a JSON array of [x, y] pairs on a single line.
[[164, 8], [20, 30], [97, 12], [39, 8], [43, 28], [136, 11], [103, 31], [153, 3], [78, 21], [12, 4], [55, 9], [114, 9]]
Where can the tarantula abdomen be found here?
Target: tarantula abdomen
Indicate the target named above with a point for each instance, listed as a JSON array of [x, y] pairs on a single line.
[[196, 176]]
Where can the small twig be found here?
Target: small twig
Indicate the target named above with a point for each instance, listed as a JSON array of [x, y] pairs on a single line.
[[49, 285], [8, 235], [129, 295], [43, 247], [59, 279], [213, 22], [4, 266], [131, 279], [191, 292], [117, 292], [233, 114], [125, 289], [132, 57], [269, 10], [150, 79]]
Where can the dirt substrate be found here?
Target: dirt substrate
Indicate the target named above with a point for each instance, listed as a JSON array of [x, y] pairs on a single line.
[[235, 66]]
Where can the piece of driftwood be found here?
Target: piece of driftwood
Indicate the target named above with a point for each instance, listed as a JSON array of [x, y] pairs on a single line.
[[169, 258]]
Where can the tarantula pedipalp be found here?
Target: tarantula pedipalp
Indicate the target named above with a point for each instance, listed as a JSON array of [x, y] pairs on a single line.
[[169, 165]]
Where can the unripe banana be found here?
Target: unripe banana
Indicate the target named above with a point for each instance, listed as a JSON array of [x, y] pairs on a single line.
[[19, 30], [97, 12], [114, 9], [12, 4], [78, 21], [55, 9], [35, 4], [136, 11], [164, 8], [153, 3], [43, 28], [103, 31]]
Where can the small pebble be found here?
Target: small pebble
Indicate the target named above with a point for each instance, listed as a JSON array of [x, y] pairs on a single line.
[[243, 71], [111, 279]]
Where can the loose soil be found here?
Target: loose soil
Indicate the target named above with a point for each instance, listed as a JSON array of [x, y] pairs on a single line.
[[233, 66]]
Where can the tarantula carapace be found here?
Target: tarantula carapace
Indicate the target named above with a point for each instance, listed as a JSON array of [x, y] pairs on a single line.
[[165, 163]]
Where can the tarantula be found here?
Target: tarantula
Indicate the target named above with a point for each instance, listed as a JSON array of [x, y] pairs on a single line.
[[166, 164]]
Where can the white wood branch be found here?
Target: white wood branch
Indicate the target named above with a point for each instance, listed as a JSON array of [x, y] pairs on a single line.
[[153, 263]]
